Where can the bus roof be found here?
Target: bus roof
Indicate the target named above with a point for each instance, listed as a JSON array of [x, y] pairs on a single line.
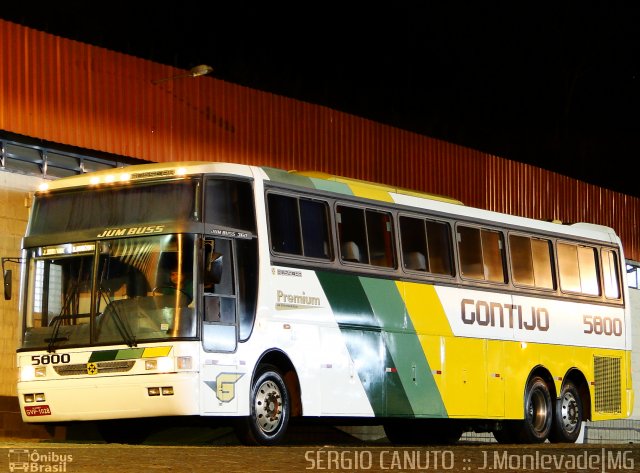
[[327, 182]]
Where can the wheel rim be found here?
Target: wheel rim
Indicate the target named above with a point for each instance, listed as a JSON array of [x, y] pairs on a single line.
[[538, 411], [570, 412], [268, 405]]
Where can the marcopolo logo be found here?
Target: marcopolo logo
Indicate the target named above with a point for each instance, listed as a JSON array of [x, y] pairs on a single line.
[[38, 461]]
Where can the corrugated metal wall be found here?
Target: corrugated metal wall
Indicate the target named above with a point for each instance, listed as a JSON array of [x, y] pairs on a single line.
[[72, 93]]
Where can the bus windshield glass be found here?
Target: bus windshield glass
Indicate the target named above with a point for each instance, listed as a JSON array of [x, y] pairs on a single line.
[[142, 289]]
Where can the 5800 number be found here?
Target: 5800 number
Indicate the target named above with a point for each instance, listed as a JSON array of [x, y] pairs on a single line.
[[602, 325], [53, 359]]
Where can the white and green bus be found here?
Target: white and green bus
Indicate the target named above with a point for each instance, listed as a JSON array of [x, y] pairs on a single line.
[[258, 295]]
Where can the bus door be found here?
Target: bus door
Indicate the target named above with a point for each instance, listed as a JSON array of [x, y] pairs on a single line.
[[219, 327]]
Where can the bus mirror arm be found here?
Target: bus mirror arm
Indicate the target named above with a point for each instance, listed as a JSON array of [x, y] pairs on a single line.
[[7, 276]]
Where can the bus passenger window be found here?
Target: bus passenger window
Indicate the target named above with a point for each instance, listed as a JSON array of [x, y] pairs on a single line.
[[578, 269], [470, 252], [543, 273], [299, 226], [314, 219], [531, 262], [439, 243], [426, 245], [380, 237], [610, 274], [351, 233], [521, 260], [414, 243], [588, 271], [481, 254], [493, 256], [284, 224]]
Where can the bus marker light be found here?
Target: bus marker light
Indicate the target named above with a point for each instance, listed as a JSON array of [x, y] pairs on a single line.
[[150, 364], [184, 362], [153, 391], [40, 372], [167, 390], [40, 397], [44, 187], [29, 397], [94, 180], [523, 345]]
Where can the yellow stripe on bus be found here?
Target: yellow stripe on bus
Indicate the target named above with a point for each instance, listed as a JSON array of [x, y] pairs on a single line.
[[152, 352]]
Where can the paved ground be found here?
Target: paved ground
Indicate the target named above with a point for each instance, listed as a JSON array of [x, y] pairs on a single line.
[[307, 449]]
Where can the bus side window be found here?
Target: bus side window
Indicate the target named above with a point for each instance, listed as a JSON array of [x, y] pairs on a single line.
[[352, 234], [578, 269], [610, 274], [481, 253]]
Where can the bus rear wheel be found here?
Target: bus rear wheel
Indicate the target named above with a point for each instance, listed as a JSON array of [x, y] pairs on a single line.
[[538, 412], [269, 410], [567, 419]]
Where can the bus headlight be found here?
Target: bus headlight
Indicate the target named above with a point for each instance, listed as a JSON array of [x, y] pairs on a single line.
[[163, 364], [27, 373]]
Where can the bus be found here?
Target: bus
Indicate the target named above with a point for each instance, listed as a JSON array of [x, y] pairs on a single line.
[[253, 295]]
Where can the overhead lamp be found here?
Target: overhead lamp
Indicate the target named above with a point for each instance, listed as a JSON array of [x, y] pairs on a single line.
[[195, 71]]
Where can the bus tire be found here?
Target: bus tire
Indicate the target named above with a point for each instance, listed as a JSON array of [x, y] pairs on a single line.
[[567, 418], [538, 413], [270, 407]]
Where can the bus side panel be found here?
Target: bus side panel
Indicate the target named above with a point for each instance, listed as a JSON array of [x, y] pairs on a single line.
[[336, 365], [376, 306]]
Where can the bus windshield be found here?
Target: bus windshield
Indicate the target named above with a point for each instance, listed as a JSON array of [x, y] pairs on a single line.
[[120, 291]]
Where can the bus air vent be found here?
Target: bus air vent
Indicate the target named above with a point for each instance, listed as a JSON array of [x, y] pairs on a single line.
[[607, 384], [103, 367]]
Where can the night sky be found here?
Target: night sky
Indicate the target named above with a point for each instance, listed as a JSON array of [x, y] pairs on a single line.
[[554, 84]]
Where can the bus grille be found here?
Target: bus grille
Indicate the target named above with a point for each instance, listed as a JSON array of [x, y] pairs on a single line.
[[607, 388], [100, 367]]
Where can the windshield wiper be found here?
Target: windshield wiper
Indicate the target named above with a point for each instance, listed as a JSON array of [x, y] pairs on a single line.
[[65, 314], [128, 337]]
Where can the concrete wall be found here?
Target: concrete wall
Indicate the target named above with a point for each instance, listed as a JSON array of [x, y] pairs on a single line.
[[634, 296], [14, 211]]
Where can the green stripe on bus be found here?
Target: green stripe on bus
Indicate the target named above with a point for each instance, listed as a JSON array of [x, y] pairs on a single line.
[[128, 354], [414, 374], [104, 355], [278, 175], [370, 313], [360, 332], [331, 186]]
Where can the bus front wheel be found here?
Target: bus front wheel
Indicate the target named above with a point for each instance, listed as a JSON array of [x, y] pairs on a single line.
[[567, 419], [538, 412], [269, 410]]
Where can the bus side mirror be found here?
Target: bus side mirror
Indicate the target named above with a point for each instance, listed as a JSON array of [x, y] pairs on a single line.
[[7, 285]]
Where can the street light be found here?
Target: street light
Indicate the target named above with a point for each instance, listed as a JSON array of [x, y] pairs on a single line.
[[195, 71]]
